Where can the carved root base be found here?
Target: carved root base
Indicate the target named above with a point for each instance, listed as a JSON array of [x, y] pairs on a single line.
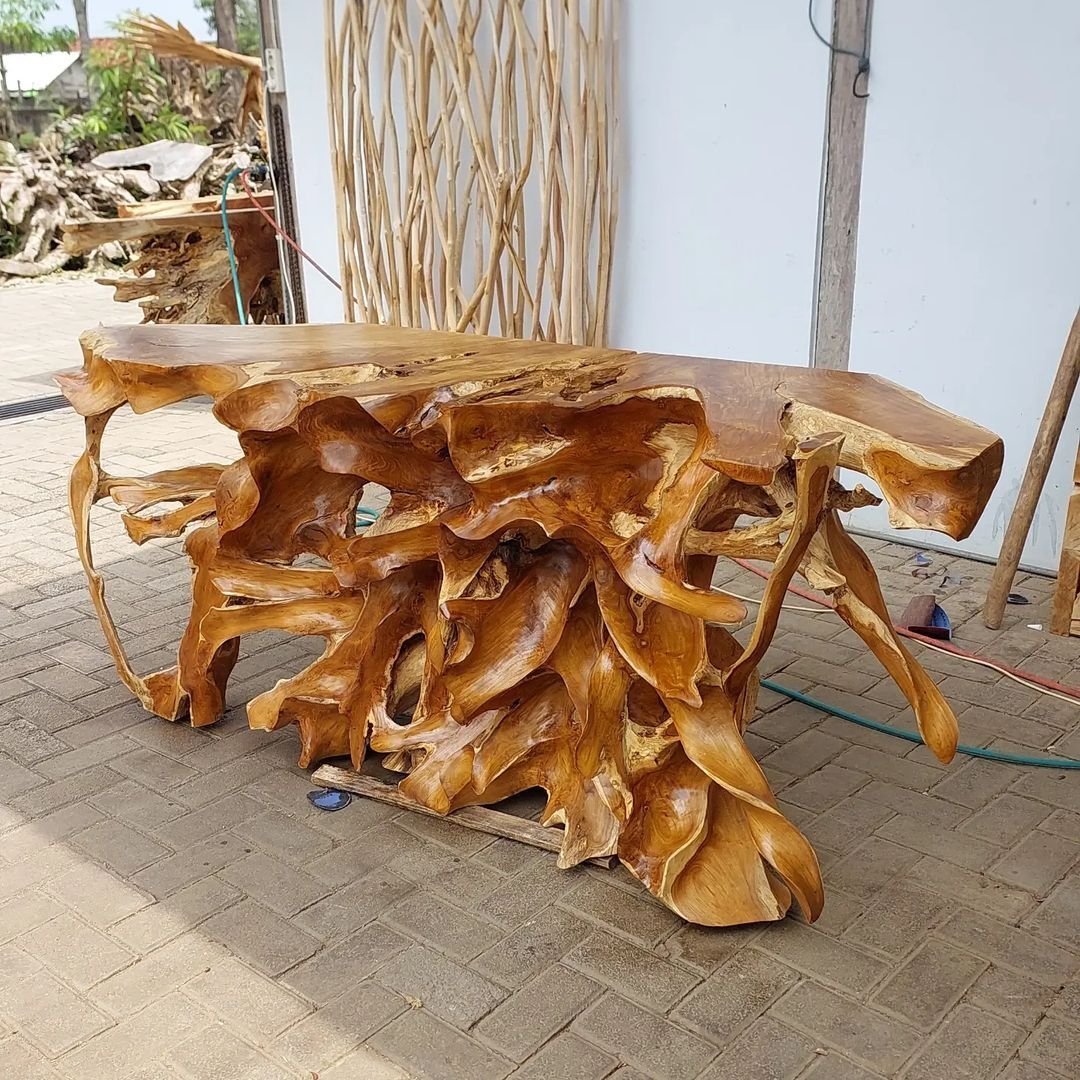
[[533, 608]]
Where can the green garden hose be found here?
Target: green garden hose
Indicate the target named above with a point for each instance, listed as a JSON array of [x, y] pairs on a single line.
[[915, 737]]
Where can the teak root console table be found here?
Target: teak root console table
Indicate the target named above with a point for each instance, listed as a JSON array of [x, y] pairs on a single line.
[[538, 589]]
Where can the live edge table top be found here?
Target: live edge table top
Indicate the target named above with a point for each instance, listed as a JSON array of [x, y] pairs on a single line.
[[935, 469]]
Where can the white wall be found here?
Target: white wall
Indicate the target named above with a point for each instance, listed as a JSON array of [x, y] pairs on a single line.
[[723, 124], [303, 35], [969, 236], [968, 273]]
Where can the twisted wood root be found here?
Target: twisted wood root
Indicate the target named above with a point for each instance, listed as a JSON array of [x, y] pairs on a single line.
[[532, 609]]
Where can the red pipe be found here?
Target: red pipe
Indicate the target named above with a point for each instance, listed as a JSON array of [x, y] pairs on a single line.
[[1039, 680], [282, 233]]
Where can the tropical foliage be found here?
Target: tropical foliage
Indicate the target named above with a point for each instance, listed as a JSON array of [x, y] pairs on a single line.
[[23, 29], [131, 102]]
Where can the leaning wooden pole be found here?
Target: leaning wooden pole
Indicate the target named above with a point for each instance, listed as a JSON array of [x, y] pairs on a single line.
[[1042, 454]]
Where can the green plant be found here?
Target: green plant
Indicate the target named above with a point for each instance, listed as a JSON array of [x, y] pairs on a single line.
[[9, 241], [22, 27], [130, 101]]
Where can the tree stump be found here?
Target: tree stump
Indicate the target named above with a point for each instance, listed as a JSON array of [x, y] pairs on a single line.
[[181, 272], [534, 606]]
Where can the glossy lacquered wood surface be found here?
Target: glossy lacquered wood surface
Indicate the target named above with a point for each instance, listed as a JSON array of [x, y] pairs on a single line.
[[533, 608]]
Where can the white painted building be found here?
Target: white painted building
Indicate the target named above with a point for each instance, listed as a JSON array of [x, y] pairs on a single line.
[[966, 274], [38, 84], [58, 75]]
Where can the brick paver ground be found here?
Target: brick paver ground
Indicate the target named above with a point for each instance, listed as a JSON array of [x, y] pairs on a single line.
[[172, 907], [36, 327]]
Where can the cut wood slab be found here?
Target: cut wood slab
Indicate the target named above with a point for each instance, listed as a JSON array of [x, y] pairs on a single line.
[[536, 597], [181, 273], [161, 208], [1062, 618], [83, 236]]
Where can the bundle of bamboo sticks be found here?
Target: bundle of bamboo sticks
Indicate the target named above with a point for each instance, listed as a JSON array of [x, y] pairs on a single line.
[[473, 148]]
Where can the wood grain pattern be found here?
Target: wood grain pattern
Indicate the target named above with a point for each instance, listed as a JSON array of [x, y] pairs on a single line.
[[1062, 617], [1063, 608], [533, 608]]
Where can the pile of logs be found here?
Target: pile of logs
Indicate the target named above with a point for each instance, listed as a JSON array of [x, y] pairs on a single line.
[[44, 188], [38, 193], [41, 190]]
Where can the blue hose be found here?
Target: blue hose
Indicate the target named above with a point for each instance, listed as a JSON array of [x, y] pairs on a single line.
[[229, 249], [914, 737]]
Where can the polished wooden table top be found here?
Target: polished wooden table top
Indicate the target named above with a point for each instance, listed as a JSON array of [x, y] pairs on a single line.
[[935, 469]]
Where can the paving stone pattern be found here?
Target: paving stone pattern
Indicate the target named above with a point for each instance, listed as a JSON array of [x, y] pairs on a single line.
[[172, 907], [42, 322]]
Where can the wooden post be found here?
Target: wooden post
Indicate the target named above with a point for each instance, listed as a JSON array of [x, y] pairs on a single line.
[[843, 182], [1068, 582], [1042, 454], [280, 150]]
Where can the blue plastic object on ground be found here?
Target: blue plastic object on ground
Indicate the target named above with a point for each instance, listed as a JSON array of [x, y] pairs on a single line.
[[940, 619], [327, 799]]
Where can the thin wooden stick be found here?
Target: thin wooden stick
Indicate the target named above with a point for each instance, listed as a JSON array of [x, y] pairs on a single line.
[[473, 155], [1038, 466]]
